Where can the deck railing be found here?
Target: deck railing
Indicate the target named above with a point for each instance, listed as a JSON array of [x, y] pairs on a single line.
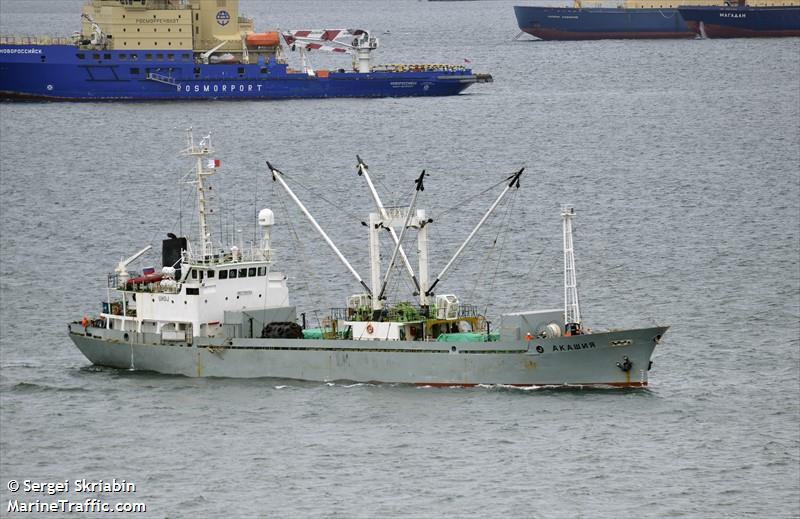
[[35, 40]]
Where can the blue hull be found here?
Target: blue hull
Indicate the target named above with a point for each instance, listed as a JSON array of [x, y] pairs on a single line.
[[563, 23], [63, 72], [743, 22]]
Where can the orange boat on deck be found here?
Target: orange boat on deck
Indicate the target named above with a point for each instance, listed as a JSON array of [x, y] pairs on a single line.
[[262, 39]]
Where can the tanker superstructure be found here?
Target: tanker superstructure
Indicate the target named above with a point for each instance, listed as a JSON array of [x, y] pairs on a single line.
[[224, 311], [204, 49]]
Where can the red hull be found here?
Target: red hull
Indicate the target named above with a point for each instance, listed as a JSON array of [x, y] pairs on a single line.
[[722, 31], [592, 385], [550, 34]]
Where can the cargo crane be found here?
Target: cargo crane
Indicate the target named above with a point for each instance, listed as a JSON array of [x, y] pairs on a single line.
[[333, 40]]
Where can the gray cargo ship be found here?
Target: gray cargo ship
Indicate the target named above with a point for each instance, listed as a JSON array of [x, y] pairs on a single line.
[[226, 313]]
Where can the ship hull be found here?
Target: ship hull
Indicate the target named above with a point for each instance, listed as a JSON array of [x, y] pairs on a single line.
[[743, 22], [561, 23], [580, 360], [63, 73]]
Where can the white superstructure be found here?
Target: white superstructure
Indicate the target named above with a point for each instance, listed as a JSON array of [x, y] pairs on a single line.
[[188, 296]]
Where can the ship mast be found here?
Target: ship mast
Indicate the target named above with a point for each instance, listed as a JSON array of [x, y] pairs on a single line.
[[572, 313], [202, 151], [512, 181], [363, 170], [409, 214], [278, 177]]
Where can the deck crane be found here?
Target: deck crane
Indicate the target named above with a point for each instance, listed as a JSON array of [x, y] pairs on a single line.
[[98, 36], [356, 42], [122, 266]]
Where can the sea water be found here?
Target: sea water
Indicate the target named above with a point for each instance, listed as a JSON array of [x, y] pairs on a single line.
[[681, 158]]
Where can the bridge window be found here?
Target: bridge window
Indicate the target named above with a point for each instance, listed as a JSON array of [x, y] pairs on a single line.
[[192, 292], [159, 56], [171, 57], [223, 274], [251, 272], [148, 57], [122, 57], [243, 273], [232, 273], [262, 271], [81, 55], [194, 274], [185, 57], [210, 274], [106, 56], [134, 71], [96, 56]]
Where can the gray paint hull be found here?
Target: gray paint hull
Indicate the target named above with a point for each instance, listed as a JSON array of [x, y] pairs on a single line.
[[580, 360]]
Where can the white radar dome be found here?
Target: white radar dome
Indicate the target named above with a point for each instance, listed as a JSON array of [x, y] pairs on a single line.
[[266, 218]]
